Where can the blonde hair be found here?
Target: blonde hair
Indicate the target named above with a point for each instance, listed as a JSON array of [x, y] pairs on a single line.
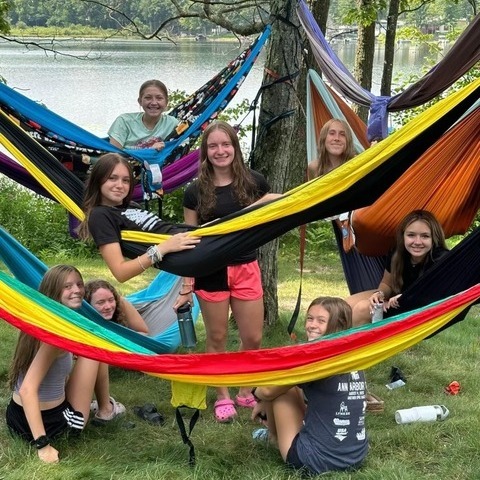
[[52, 285], [323, 158]]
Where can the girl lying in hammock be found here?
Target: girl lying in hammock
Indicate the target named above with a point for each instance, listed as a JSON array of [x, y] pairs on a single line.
[[420, 242]]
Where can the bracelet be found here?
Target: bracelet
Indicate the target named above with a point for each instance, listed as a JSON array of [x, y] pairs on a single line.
[[186, 293], [140, 263], [154, 254], [380, 292], [41, 442], [187, 284]]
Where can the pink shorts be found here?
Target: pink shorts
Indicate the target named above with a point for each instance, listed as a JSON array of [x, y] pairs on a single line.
[[244, 283]]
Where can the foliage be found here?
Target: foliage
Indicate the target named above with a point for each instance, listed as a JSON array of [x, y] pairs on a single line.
[[26, 215], [5, 5]]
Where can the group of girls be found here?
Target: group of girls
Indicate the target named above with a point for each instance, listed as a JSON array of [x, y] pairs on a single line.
[[52, 394]]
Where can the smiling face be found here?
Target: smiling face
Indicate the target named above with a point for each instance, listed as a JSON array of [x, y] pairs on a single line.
[[317, 322], [336, 141], [220, 150], [103, 301], [153, 102], [116, 187], [417, 239], [73, 291]]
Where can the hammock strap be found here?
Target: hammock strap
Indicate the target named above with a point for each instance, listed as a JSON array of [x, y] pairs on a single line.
[[183, 431], [296, 311]]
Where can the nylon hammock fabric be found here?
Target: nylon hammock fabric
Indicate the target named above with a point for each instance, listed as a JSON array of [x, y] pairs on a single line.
[[356, 349], [195, 113], [154, 302], [353, 185], [463, 55]]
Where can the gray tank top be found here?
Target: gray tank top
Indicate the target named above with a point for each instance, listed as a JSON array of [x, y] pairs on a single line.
[[53, 384]]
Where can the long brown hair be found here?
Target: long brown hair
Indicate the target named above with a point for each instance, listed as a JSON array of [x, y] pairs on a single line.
[[98, 176], [93, 285], [27, 347], [243, 184], [323, 158], [340, 313], [401, 256]]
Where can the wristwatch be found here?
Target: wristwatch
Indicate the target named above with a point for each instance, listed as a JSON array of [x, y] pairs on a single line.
[[41, 442]]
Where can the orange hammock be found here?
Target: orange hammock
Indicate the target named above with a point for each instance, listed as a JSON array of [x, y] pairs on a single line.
[[321, 114], [445, 180]]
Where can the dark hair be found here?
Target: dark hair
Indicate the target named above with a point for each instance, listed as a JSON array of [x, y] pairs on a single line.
[[153, 83], [93, 285], [100, 173], [400, 254], [340, 313], [243, 186], [322, 154]]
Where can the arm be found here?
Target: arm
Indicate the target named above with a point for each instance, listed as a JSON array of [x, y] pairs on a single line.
[[115, 143], [270, 393], [124, 270], [29, 396], [384, 291], [133, 318]]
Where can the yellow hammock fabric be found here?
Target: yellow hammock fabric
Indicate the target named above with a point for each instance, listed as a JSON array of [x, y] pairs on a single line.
[[304, 196], [355, 349]]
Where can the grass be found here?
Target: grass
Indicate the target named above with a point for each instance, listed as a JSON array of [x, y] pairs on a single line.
[[445, 450]]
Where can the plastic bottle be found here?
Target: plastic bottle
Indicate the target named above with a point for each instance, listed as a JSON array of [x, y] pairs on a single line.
[[186, 326], [428, 413]]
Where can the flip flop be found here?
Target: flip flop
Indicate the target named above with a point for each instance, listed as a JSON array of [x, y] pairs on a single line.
[[224, 410], [149, 413]]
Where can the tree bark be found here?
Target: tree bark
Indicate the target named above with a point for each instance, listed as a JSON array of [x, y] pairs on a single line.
[[279, 131], [364, 56], [392, 18]]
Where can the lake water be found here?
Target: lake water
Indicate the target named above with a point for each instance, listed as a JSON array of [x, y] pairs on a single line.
[[92, 92]]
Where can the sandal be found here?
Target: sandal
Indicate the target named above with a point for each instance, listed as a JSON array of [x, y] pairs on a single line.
[[224, 410], [246, 402], [149, 413], [117, 409]]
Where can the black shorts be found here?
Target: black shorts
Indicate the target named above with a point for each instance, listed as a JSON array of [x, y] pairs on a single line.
[[55, 420]]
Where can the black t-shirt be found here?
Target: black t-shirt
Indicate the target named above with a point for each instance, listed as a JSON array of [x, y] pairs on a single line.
[[412, 272], [106, 224], [226, 204]]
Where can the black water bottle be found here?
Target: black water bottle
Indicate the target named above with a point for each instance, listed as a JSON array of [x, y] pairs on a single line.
[[186, 326]]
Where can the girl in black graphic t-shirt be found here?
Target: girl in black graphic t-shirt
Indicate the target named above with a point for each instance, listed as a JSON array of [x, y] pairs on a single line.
[[107, 211]]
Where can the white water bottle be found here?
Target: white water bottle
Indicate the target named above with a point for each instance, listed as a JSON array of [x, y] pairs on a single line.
[[428, 413]]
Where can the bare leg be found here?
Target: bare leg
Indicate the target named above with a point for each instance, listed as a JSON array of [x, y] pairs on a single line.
[[287, 419], [215, 318], [102, 391], [360, 307], [79, 388], [249, 315]]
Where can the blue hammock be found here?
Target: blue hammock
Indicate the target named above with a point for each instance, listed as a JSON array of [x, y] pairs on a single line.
[[154, 303]]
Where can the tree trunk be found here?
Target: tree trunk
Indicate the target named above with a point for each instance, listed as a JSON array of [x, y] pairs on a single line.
[[364, 56], [279, 134], [392, 18]]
